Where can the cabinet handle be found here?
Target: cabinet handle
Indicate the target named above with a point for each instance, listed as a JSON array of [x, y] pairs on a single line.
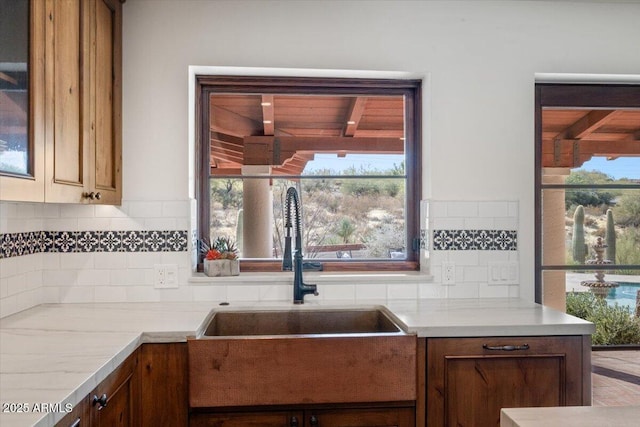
[[506, 347], [294, 422], [76, 423], [313, 421], [100, 401]]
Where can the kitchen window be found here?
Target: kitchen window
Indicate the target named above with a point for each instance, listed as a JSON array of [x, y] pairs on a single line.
[[587, 191], [351, 147]]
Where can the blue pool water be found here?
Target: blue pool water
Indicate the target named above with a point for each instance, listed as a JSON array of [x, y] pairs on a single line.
[[624, 295]]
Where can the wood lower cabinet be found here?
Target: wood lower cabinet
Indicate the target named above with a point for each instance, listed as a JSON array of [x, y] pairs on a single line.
[[362, 417], [113, 403], [470, 379]]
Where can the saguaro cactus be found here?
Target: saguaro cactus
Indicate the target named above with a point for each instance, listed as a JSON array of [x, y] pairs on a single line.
[[578, 246], [610, 238]]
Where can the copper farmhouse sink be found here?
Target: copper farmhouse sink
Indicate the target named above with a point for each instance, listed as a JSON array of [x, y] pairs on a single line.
[[301, 322], [250, 358]]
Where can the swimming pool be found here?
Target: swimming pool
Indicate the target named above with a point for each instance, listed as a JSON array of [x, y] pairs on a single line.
[[624, 295]]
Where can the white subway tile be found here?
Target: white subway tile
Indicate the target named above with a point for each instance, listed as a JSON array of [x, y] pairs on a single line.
[[447, 223], [128, 277], [77, 211], [51, 261], [50, 295], [110, 260], [181, 294], [335, 292], [60, 278], [210, 293], [514, 291], [50, 210], [465, 290], [9, 306], [145, 209], [462, 209], [513, 210], [143, 259], [437, 209], [402, 291], [275, 293], [506, 223], [8, 267], [474, 274], [91, 277], [176, 209], [159, 223], [126, 224], [108, 211], [34, 279], [8, 209], [25, 210], [493, 209], [75, 294], [29, 299], [4, 288], [142, 294], [460, 258], [110, 294], [243, 293], [61, 224], [485, 257], [77, 260], [479, 223], [93, 224], [180, 258], [493, 291], [431, 290], [371, 291]]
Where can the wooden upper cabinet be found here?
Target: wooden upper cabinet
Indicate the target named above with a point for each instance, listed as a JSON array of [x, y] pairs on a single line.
[[105, 159], [76, 102]]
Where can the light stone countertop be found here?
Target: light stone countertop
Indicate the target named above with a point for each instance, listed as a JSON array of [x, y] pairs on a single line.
[[58, 353], [571, 416]]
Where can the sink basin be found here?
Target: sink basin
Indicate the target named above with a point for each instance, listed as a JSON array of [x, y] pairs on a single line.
[[301, 322]]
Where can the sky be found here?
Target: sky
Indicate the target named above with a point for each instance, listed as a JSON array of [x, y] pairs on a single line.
[[623, 167]]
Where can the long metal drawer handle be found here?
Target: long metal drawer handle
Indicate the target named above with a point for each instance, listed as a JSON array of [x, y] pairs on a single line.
[[506, 347]]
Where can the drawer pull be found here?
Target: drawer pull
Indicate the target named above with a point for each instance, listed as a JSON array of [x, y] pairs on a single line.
[[294, 422], [100, 401], [506, 347], [76, 423]]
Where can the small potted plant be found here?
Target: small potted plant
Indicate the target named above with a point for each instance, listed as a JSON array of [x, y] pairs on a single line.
[[221, 257]]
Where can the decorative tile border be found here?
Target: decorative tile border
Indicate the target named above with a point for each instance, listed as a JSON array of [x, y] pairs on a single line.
[[475, 240], [18, 244]]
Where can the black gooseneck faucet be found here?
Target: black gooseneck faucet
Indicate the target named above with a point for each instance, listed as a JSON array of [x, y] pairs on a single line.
[[300, 289]]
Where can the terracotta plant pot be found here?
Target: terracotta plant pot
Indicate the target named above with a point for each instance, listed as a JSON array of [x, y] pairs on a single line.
[[221, 267]]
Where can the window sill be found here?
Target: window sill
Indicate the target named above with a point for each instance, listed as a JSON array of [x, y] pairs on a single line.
[[351, 278]]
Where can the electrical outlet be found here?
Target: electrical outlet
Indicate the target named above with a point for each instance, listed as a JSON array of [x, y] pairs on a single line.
[[503, 273], [165, 276], [448, 273]]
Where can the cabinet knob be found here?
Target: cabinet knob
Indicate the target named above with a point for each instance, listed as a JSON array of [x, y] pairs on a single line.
[[313, 421], [93, 196], [294, 422], [100, 401]]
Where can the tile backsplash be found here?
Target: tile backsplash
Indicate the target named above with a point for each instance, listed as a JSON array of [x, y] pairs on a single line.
[[473, 237], [53, 253]]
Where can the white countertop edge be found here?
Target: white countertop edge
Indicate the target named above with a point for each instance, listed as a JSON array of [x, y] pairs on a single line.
[[571, 416]]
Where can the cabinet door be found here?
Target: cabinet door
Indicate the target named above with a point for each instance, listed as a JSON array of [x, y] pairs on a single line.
[[382, 417], [105, 158], [67, 115], [254, 419], [22, 102], [115, 401], [470, 380], [164, 379]]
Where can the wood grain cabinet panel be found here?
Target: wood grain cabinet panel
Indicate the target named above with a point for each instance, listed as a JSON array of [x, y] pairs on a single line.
[[470, 379], [252, 419]]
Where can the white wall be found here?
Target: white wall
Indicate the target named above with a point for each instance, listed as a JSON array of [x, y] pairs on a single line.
[[481, 58]]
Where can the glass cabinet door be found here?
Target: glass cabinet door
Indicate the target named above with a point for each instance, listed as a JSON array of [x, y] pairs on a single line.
[[15, 146]]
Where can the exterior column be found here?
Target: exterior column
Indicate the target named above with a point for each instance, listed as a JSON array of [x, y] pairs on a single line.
[[257, 216], [553, 239]]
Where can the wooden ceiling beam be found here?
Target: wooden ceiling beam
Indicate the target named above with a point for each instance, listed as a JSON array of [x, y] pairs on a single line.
[[354, 114], [263, 150], [230, 123], [268, 116], [588, 124], [573, 152]]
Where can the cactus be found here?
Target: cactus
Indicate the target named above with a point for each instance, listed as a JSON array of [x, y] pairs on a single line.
[[240, 230], [578, 245], [610, 238]]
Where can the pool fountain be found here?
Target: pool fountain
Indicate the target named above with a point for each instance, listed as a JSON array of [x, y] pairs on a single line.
[[599, 287]]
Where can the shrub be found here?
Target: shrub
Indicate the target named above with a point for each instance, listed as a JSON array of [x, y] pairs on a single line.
[[627, 209], [628, 249], [614, 325]]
